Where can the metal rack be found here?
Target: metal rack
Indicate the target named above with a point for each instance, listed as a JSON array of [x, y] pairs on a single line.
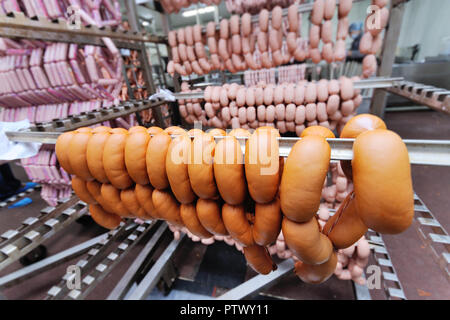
[[98, 263]]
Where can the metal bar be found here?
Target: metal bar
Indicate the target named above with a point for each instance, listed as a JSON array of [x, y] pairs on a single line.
[[14, 251], [380, 82], [391, 37], [258, 282], [125, 282], [421, 152], [48, 263], [152, 277], [44, 29], [361, 291], [104, 267], [86, 119]]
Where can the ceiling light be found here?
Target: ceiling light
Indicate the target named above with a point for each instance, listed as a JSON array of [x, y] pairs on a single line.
[[191, 13], [145, 23]]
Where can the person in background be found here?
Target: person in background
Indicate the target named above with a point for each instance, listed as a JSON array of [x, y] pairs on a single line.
[[356, 32]]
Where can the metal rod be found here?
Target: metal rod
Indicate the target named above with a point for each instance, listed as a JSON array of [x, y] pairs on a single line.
[[48, 263], [152, 277], [380, 82], [421, 152], [258, 282], [125, 282]]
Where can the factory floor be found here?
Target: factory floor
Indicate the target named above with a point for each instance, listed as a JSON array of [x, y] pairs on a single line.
[[209, 271]]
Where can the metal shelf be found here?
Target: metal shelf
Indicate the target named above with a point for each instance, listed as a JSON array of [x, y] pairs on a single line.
[[18, 25], [86, 119], [435, 98]]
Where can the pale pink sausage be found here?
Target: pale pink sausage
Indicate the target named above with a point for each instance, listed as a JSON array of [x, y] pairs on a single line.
[[312, 123], [172, 38], [240, 97], [322, 90], [209, 110], [224, 97], [270, 113], [327, 31], [300, 115], [189, 108], [333, 104], [197, 109], [233, 109], [299, 129], [190, 53], [204, 64], [315, 54], [280, 112], [216, 122], [212, 45], [207, 93], [196, 67], [342, 30], [259, 96], [215, 60], [189, 36], [236, 43], [357, 100], [265, 60], [187, 66], [311, 112], [339, 50], [200, 50], [327, 52], [246, 24], [234, 24], [232, 91], [346, 88], [314, 36], [278, 95], [347, 107], [245, 45], [366, 42], [290, 112], [317, 12], [277, 17], [264, 20], [183, 111], [293, 18], [290, 126], [311, 93], [333, 87], [250, 97], [322, 112], [235, 123], [242, 115], [344, 7], [210, 29], [223, 50], [369, 65], [215, 93], [182, 51], [268, 95], [281, 126], [181, 35], [330, 7], [376, 44], [289, 93], [261, 113], [336, 116], [248, 57], [224, 29], [325, 124], [175, 55], [197, 33], [262, 41], [299, 94], [291, 41], [226, 116], [273, 40], [251, 114]]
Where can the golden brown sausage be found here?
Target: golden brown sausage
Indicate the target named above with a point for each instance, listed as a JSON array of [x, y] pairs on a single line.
[[188, 214], [382, 181], [210, 216], [319, 131], [316, 274], [237, 225], [94, 189], [306, 242], [79, 186], [94, 154], [167, 207], [114, 159], [104, 218], [62, 150], [267, 225], [108, 191], [144, 197], [156, 160], [303, 177], [77, 155], [360, 124], [259, 259], [229, 170], [201, 166], [135, 154], [345, 227], [262, 164], [177, 169]]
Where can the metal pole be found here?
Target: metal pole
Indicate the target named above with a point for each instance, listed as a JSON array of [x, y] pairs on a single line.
[[388, 55]]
